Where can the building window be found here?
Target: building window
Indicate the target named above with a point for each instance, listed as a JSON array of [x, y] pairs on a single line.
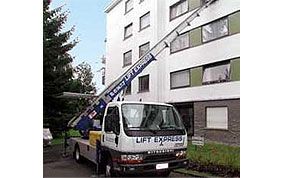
[[144, 48], [181, 42], [127, 90], [180, 79], [127, 58], [217, 117], [145, 21], [128, 5], [215, 30], [144, 83], [128, 31], [216, 73], [178, 9]]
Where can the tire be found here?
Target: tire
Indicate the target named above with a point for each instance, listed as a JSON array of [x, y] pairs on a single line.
[[76, 154], [109, 171]]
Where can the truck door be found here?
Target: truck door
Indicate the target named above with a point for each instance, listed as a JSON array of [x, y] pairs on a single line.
[[111, 128]]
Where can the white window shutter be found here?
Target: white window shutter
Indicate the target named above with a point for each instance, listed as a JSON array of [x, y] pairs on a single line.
[[217, 117]]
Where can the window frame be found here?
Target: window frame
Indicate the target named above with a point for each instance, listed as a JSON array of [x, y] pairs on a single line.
[[125, 8], [176, 4], [225, 62], [201, 26], [125, 65], [139, 84], [140, 29], [226, 16], [184, 86], [206, 119], [144, 45], [126, 37]]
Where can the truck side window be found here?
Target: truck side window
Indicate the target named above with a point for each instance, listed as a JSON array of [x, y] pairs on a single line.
[[112, 120]]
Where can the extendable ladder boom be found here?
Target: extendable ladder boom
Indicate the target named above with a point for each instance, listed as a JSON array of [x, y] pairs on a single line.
[[106, 96]]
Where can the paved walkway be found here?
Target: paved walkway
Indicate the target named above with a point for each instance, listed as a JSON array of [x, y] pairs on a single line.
[[57, 166]]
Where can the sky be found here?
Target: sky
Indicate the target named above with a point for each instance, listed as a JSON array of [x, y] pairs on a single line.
[[89, 20]]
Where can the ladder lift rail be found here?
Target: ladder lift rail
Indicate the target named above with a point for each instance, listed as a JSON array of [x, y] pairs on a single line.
[[108, 94]]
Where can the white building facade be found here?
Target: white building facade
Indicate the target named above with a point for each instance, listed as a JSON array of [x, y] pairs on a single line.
[[199, 73]]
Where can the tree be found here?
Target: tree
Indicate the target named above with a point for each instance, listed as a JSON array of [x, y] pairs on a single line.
[[85, 76], [57, 68]]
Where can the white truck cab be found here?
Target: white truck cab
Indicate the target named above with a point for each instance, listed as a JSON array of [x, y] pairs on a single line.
[[138, 137]]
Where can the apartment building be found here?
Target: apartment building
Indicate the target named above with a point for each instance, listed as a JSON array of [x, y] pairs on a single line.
[[199, 73]]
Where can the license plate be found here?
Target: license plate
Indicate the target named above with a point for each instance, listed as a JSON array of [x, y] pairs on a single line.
[[162, 166]]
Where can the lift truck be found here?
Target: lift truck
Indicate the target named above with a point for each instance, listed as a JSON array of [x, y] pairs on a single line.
[[133, 137]]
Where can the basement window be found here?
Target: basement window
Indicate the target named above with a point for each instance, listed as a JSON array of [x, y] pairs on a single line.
[[217, 117]]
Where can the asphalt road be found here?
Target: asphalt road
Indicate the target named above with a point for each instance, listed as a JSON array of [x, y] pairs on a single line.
[[55, 165]]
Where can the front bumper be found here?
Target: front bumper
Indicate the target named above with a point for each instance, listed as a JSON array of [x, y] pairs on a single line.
[[149, 167]]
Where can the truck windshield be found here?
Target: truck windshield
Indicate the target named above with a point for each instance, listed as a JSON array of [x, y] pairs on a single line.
[[150, 117]]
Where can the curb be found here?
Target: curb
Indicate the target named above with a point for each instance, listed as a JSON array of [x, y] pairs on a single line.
[[187, 172]]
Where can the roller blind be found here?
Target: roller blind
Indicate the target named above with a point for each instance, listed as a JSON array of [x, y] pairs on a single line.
[[145, 21], [178, 9], [219, 73], [128, 31], [180, 79], [180, 42], [128, 5], [127, 58], [217, 117], [143, 49]]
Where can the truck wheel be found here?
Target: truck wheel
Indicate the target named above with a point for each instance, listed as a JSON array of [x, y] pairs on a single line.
[[109, 171], [76, 154]]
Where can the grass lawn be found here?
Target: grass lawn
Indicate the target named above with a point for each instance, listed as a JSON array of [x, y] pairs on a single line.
[[216, 154], [57, 141], [74, 133], [60, 139]]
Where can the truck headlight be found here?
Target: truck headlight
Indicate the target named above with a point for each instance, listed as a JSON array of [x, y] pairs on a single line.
[[131, 159], [180, 154]]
